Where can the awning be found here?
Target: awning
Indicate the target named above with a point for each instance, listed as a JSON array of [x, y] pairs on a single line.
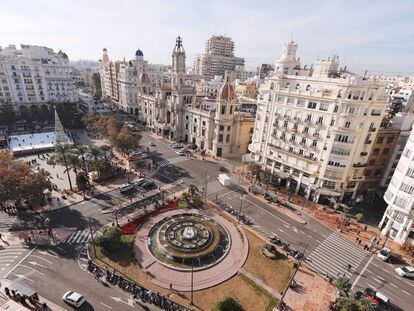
[[18, 287], [281, 174], [329, 193]]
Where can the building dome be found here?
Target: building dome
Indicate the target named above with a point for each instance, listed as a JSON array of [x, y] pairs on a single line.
[[143, 78], [139, 53], [227, 92]]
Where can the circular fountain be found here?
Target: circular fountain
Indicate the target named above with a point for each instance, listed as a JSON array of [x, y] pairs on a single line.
[[188, 241]]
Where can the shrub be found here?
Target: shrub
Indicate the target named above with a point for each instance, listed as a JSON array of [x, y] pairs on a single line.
[[359, 217], [110, 240], [228, 304]]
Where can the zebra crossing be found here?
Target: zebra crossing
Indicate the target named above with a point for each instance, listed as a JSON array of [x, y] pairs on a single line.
[[333, 256], [172, 161], [7, 221], [212, 187], [78, 237], [10, 255]]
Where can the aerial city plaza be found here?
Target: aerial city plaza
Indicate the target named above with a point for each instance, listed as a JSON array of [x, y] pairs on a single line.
[[173, 156]]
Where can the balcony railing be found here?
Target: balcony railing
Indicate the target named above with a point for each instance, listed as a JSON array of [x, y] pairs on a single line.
[[360, 165]]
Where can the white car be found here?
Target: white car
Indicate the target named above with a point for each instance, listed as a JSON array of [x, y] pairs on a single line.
[[384, 254], [73, 299], [407, 272], [175, 145], [125, 187], [151, 143]]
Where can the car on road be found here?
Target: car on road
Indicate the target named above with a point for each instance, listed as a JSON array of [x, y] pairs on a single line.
[[73, 299], [151, 143], [359, 295], [183, 151], [384, 254], [144, 155], [149, 185], [406, 272], [125, 188], [141, 181], [175, 145], [377, 296]]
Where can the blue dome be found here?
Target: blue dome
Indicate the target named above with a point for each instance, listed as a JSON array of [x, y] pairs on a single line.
[[139, 53]]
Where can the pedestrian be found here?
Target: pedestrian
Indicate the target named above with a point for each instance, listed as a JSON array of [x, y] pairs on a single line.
[[359, 231], [349, 267], [359, 241], [1, 238], [365, 228]]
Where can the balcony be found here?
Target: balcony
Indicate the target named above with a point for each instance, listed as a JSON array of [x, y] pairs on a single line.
[[363, 154], [372, 129], [359, 164]]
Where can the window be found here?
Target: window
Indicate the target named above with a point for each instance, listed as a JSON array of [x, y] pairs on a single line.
[[300, 103], [336, 108], [293, 138], [400, 202], [410, 172], [203, 132], [347, 124], [407, 153], [228, 138], [231, 109], [311, 105], [399, 216], [320, 120], [314, 143], [375, 112], [351, 184], [186, 117], [380, 140], [407, 188], [221, 128], [297, 86], [220, 138], [375, 151], [308, 87], [350, 110], [367, 173], [390, 140], [324, 106], [223, 109], [251, 130], [186, 126], [344, 138], [228, 128], [306, 129], [204, 123], [280, 99], [303, 140], [309, 117], [285, 124], [290, 101], [332, 122], [194, 129], [385, 151], [371, 162], [195, 120]]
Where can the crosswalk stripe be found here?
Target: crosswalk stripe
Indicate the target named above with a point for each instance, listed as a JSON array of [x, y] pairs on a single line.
[[79, 236], [337, 252]]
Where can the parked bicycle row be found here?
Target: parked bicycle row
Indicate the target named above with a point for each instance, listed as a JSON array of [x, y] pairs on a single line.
[[286, 247], [229, 209], [140, 294]]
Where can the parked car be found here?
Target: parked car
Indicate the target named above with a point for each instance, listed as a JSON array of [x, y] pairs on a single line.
[[149, 185], [141, 181], [377, 296], [255, 189], [407, 272], [384, 254], [183, 151], [125, 188], [271, 198], [175, 145], [151, 143], [73, 299]]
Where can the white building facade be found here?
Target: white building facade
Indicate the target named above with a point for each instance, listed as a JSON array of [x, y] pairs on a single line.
[[35, 77], [314, 128], [397, 222]]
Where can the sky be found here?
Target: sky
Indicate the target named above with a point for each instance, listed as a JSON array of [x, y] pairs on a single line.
[[373, 35]]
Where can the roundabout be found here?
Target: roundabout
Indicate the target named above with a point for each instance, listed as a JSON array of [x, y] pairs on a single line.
[[176, 246], [188, 241]]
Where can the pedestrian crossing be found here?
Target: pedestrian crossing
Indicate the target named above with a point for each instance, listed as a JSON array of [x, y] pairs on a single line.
[[78, 237], [333, 256], [172, 161], [7, 221], [9, 256], [212, 187]]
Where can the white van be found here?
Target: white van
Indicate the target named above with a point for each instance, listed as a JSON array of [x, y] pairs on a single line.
[[224, 179]]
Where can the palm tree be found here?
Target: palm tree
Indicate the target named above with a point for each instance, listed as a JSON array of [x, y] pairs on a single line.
[[343, 286], [73, 161], [80, 151], [96, 153], [62, 152], [107, 152]]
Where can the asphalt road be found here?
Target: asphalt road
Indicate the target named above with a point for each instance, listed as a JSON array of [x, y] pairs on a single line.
[[326, 251]]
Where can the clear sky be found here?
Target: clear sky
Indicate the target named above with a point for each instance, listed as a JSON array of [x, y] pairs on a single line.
[[367, 34]]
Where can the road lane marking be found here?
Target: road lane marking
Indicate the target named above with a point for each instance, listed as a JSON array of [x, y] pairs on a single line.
[[295, 229], [393, 285], [41, 258], [34, 263], [47, 253], [105, 305], [32, 269], [21, 277], [409, 294], [27, 255], [362, 272], [286, 226], [280, 230], [285, 222]]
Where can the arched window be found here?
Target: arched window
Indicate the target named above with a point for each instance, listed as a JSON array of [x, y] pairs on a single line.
[[287, 85], [350, 95], [228, 128], [272, 85], [297, 86], [308, 87]]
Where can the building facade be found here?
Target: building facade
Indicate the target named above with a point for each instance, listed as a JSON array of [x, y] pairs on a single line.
[[315, 128], [35, 77], [397, 222], [218, 58]]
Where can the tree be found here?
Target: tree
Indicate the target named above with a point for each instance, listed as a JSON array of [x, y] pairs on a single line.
[[80, 151], [8, 115], [110, 240], [82, 180], [254, 169], [359, 217], [126, 140], [343, 286], [95, 84], [349, 304], [96, 154], [228, 304], [61, 152]]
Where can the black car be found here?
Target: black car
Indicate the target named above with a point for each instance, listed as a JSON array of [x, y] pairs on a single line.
[[149, 185], [359, 295], [370, 292]]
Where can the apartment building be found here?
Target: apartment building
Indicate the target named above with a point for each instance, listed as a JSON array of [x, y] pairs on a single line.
[[315, 127], [397, 222], [34, 77], [217, 58]]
